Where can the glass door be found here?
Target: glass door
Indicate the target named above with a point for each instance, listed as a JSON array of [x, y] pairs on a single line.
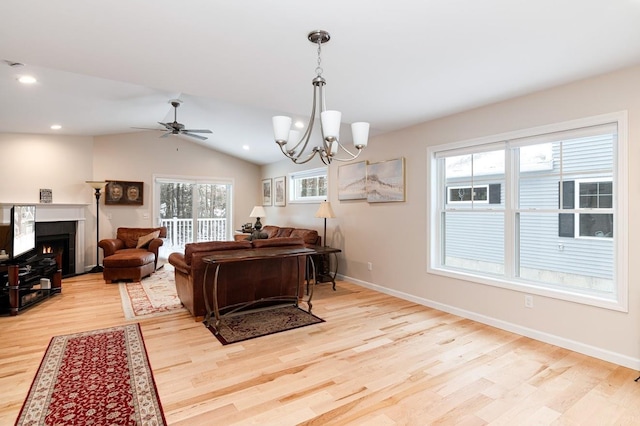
[[193, 210]]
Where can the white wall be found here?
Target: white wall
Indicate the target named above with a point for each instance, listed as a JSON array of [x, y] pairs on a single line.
[[394, 236], [31, 162]]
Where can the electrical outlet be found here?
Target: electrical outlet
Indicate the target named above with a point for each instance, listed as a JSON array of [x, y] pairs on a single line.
[[528, 301], [370, 266]]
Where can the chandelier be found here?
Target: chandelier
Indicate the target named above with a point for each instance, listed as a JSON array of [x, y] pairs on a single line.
[[294, 147]]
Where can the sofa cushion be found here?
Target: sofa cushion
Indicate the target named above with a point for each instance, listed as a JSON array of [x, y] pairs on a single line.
[[144, 241], [278, 242], [270, 230], [310, 236], [191, 248], [283, 232]]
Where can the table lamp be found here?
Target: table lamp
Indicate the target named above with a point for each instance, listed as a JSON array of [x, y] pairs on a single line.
[[325, 211], [258, 212]]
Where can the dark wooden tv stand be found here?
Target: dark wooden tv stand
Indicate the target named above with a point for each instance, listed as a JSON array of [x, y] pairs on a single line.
[[20, 285]]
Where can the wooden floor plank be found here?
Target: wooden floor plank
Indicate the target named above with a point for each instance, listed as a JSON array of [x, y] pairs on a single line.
[[376, 360]]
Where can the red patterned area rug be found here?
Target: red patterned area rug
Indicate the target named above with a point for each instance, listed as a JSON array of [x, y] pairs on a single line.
[[99, 377], [153, 296], [245, 326]]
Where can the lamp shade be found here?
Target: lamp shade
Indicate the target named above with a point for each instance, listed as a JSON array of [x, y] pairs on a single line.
[[360, 132], [281, 127], [325, 210], [294, 137], [330, 121], [258, 211], [96, 184]]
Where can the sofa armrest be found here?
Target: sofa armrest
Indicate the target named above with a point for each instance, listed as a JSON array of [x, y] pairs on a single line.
[[177, 260], [110, 246]]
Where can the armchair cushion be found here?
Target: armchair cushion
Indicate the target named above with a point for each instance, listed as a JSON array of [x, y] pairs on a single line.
[[144, 241]]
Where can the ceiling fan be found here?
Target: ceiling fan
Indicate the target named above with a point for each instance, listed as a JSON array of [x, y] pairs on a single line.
[[176, 128]]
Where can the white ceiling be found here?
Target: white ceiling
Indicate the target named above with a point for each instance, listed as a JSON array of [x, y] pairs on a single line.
[[104, 67]]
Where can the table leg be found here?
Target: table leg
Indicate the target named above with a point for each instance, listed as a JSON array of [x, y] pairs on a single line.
[[313, 285]]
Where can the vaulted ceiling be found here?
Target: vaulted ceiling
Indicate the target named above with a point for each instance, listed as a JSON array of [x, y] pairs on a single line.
[[105, 67]]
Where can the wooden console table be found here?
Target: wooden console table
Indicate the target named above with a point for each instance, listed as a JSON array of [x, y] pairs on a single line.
[[218, 259]]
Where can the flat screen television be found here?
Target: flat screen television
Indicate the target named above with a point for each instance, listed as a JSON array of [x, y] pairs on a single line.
[[19, 237]]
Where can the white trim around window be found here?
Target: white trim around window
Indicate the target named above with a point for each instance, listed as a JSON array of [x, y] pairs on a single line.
[[309, 186], [541, 205]]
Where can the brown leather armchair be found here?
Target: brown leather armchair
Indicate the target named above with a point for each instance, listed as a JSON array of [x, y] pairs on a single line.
[[130, 255]]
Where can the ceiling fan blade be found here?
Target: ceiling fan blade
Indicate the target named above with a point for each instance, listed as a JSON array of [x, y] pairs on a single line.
[[167, 125], [166, 134], [202, 138], [146, 128], [197, 130]]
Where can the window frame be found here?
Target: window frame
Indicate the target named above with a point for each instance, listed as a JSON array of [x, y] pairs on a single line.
[[296, 177], [618, 301], [589, 210]]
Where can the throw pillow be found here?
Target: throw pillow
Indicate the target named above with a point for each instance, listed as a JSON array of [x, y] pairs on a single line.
[[144, 241]]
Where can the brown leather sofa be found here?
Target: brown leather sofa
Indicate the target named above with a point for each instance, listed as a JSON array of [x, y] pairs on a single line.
[[133, 254], [309, 236], [238, 282]]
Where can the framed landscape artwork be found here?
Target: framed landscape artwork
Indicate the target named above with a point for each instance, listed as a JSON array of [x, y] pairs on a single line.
[[123, 193], [386, 181], [352, 181], [266, 192], [279, 189]]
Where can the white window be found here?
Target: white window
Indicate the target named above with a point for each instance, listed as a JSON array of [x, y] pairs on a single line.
[[308, 185], [541, 210]]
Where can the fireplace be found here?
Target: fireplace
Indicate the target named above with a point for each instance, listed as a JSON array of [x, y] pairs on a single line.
[[58, 237], [74, 217]]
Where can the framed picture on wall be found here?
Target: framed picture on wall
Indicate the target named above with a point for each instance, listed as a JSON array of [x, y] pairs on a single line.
[[124, 193], [385, 181], [266, 192], [280, 193], [352, 181]]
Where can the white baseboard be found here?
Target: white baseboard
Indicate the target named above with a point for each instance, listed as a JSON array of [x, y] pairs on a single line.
[[593, 351]]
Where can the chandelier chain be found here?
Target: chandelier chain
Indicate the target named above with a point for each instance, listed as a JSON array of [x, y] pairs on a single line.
[[319, 67]]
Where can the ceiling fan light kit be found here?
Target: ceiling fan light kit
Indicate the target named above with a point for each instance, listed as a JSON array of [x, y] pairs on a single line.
[[296, 149]]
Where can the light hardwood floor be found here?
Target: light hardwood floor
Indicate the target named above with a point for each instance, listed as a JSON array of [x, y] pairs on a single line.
[[377, 360]]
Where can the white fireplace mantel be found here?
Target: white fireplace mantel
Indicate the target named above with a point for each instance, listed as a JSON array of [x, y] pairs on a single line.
[[57, 213]]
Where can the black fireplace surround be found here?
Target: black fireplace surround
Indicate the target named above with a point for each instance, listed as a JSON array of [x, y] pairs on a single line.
[[55, 237]]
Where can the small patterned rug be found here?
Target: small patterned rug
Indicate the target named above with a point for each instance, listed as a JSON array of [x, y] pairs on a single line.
[[99, 377], [155, 295], [244, 326]]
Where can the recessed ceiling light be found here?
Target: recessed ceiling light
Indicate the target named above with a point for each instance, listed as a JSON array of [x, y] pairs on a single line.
[[56, 127], [245, 147], [299, 124], [27, 79]]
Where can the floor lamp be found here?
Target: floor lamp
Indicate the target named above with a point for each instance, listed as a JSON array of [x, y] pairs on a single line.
[[97, 186], [325, 211]]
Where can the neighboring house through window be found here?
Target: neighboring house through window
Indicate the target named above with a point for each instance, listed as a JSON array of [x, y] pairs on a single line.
[[539, 210]]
